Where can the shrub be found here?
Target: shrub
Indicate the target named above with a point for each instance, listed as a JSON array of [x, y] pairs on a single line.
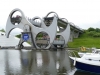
[[91, 33], [2, 30], [96, 35], [19, 36]]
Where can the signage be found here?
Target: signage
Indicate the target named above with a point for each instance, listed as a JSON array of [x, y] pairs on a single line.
[[25, 37]]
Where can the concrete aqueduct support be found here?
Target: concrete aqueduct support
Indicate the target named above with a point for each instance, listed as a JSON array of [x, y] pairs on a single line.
[[74, 32]]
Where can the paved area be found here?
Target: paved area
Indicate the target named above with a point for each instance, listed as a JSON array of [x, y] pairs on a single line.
[[9, 42]]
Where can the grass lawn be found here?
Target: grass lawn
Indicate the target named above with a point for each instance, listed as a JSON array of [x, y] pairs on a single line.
[[86, 42]]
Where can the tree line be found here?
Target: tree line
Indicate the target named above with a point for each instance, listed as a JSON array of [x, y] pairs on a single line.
[[94, 32]]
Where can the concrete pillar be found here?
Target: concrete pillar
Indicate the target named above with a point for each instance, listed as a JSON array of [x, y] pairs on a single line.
[[71, 35], [76, 34]]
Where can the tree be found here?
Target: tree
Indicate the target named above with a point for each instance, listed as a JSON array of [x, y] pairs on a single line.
[[91, 29], [2, 30], [97, 30]]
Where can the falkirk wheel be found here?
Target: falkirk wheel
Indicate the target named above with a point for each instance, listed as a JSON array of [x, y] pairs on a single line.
[[48, 32]]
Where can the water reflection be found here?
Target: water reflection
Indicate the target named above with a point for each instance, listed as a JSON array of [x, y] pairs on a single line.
[[12, 62], [2, 63], [29, 62], [64, 63], [26, 61]]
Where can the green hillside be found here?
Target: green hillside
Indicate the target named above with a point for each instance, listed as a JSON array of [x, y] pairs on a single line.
[[90, 38]]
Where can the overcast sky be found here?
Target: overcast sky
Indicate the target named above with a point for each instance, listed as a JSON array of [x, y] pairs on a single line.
[[83, 13]]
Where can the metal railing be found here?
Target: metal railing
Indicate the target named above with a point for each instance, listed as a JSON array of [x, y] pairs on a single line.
[[73, 53]]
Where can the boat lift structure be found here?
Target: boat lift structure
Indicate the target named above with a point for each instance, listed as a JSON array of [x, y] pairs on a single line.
[[50, 32]]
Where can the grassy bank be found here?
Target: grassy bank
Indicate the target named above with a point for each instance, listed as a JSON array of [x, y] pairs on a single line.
[[86, 41]]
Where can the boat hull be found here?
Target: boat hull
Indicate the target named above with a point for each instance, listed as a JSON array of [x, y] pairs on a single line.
[[87, 67]]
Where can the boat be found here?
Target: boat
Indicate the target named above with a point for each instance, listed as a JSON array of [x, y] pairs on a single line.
[[93, 50], [88, 62]]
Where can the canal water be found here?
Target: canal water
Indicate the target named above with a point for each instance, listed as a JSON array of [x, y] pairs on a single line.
[[37, 62]]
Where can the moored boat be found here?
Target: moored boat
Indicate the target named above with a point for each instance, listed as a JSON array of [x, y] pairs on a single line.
[[88, 62], [93, 50]]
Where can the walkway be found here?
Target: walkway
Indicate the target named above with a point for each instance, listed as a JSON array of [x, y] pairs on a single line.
[[9, 42]]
